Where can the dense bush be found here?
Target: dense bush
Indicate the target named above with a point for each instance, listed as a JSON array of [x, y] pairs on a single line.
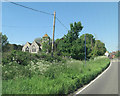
[[14, 70], [117, 54], [22, 58], [76, 48], [60, 78], [48, 57], [18, 63]]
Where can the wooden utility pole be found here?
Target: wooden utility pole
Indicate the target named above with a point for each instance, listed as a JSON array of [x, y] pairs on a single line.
[[53, 33]]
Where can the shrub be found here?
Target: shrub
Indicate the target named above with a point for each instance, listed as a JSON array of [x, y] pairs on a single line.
[[14, 70], [59, 78], [22, 58], [48, 57]]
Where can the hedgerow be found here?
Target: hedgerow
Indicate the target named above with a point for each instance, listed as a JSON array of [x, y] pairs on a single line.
[[54, 78]]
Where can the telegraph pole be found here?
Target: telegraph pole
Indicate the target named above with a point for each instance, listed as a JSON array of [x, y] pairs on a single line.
[[53, 33]]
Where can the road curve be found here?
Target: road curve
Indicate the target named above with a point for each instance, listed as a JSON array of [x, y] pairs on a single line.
[[107, 83]]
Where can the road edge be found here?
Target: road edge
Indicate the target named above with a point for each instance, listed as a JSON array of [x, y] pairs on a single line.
[[94, 79]]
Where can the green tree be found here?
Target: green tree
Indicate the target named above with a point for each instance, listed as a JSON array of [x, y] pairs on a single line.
[[12, 47], [4, 41], [22, 58], [99, 48], [6, 46], [65, 44], [74, 46], [0, 37], [90, 43], [46, 47], [74, 30], [117, 54], [78, 50]]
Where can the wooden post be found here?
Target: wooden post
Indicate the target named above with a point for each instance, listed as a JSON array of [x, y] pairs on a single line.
[[53, 33]]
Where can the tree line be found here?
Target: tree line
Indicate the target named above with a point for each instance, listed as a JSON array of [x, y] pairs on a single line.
[[6, 46], [70, 45], [73, 45]]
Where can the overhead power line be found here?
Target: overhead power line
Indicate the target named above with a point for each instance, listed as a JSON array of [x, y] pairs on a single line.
[[38, 11], [30, 8], [61, 23]]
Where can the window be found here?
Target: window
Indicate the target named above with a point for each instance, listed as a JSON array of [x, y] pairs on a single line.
[[27, 49], [33, 48]]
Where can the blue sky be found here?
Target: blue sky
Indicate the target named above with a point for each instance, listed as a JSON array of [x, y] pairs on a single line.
[[22, 25]]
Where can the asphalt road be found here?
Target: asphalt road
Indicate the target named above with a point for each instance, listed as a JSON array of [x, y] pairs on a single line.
[[106, 83]]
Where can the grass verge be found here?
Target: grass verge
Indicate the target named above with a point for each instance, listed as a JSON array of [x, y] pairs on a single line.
[[59, 78]]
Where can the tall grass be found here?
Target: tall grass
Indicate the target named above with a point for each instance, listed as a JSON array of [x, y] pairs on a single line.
[[58, 78]]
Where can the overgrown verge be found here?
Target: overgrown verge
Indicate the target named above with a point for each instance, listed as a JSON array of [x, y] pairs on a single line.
[[43, 77]]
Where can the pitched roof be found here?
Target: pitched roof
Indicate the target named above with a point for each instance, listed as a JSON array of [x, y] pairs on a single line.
[[38, 43], [29, 43], [45, 35]]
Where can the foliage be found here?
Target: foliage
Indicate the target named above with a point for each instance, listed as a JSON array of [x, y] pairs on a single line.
[[13, 70], [74, 31], [12, 47], [4, 39], [22, 58], [6, 46], [90, 42], [72, 45], [58, 78], [49, 58], [117, 54], [64, 45], [26, 62], [76, 49], [99, 48], [46, 47]]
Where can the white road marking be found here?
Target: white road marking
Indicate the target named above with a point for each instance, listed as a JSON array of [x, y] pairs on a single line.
[[94, 79]]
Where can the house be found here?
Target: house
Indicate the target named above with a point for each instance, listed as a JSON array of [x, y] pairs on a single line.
[[106, 53], [26, 47], [35, 47]]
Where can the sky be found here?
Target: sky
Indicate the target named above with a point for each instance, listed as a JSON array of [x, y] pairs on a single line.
[[22, 25]]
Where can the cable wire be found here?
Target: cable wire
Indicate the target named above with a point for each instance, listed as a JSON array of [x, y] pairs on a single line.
[[29, 8], [61, 23], [38, 11]]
